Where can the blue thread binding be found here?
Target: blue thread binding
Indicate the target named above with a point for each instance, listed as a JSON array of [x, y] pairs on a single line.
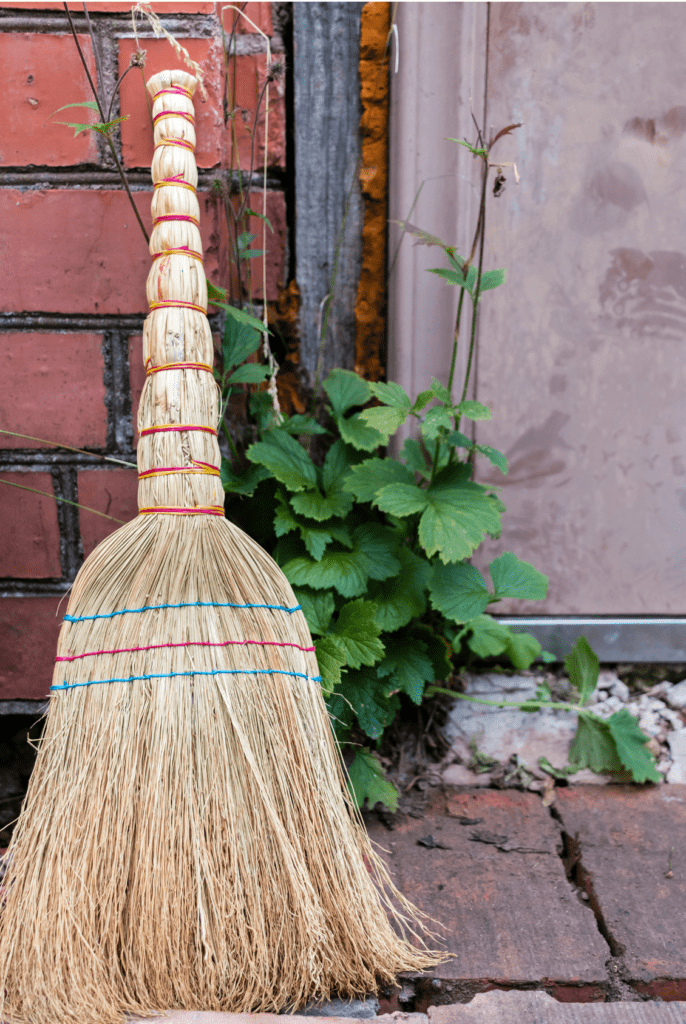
[[189, 604], [211, 672]]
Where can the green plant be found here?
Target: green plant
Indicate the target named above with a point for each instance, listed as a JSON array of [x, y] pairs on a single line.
[[611, 746]]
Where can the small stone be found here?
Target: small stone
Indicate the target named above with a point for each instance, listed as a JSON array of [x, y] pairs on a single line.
[[676, 774], [607, 681], [620, 690], [676, 697], [664, 765], [649, 724]]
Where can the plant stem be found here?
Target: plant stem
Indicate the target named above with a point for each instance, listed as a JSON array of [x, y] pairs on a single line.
[[116, 90], [232, 446], [122, 174], [506, 703], [475, 297], [455, 339]]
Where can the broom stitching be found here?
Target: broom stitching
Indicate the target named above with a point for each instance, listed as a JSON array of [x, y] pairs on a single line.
[[178, 366], [172, 113], [175, 216], [189, 643], [209, 672], [176, 142], [181, 251], [173, 181], [177, 303], [166, 471], [209, 510], [184, 604], [174, 426], [174, 90]]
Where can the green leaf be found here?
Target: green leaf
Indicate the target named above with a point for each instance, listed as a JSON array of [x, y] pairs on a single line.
[[102, 127], [402, 598], [583, 668], [391, 394], [456, 520], [408, 665], [285, 459], [513, 578], [451, 276], [379, 546], [414, 457], [458, 591], [630, 743], [240, 341], [236, 314], [367, 782], [522, 649], [91, 104], [301, 424], [435, 420], [488, 638], [343, 571], [593, 745], [338, 461], [437, 648], [495, 457], [369, 477], [355, 431], [543, 692], [474, 411], [461, 142], [492, 279], [260, 216], [385, 419], [422, 400], [459, 440], [245, 483], [262, 411], [402, 499], [367, 694], [317, 608], [359, 634], [346, 390], [331, 659], [249, 373], [316, 506]]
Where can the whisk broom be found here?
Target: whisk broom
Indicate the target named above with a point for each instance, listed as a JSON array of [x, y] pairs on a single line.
[[187, 841]]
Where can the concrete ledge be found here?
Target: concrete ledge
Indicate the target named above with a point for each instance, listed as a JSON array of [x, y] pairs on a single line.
[[540, 1008]]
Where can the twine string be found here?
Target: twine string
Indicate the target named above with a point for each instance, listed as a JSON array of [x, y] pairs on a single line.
[[177, 304], [204, 468], [183, 250], [183, 604], [190, 643], [210, 672], [175, 216], [178, 366], [174, 90], [175, 142], [171, 427], [208, 510], [164, 114]]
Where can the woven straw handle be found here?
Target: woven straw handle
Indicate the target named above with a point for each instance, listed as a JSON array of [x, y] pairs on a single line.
[[178, 453]]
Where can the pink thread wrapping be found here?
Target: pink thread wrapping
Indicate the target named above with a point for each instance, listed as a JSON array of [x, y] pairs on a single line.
[[212, 510], [173, 427], [175, 142], [172, 113], [190, 643], [175, 216], [182, 250], [174, 90], [203, 467]]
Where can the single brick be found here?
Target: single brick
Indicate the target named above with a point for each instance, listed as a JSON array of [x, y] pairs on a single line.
[[259, 12], [136, 131], [101, 267], [41, 73], [30, 538], [112, 491], [29, 628], [60, 375], [249, 83]]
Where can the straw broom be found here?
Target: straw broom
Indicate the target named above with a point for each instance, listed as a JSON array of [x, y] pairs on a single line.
[[187, 841]]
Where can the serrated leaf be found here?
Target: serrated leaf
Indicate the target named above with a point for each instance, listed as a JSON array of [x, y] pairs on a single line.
[[236, 314], [359, 634], [514, 578], [408, 665], [459, 440], [285, 459], [474, 411], [343, 571], [320, 507], [284, 520], [631, 748], [487, 637], [318, 607], [243, 483], [367, 695], [403, 597], [435, 420], [401, 499], [593, 745], [458, 591], [346, 390], [495, 457], [338, 461], [379, 545], [456, 520], [492, 279], [355, 431], [422, 400], [423, 237], [331, 659], [522, 649], [384, 419], [440, 391], [249, 373], [583, 668], [301, 424], [391, 394], [414, 456], [437, 648], [367, 782], [91, 104], [451, 276], [369, 477], [240, 341]]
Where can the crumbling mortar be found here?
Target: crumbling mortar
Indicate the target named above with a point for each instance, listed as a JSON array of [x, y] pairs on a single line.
[[71, 549]]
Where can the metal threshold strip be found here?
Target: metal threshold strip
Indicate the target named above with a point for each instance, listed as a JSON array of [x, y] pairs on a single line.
[[614, 639]]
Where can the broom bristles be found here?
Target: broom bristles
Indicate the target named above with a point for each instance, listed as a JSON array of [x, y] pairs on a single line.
[[187, 840]]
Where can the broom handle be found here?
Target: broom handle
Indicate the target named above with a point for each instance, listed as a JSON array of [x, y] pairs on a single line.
[[178, 452]]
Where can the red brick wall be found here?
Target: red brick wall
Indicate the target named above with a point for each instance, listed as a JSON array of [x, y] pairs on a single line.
[[72, 287]]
